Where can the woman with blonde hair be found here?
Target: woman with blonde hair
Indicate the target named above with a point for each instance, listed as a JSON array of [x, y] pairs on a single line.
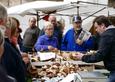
[[11, 59], [47, 42], [12, 24]]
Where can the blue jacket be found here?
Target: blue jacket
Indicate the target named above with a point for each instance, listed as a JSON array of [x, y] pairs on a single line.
[[69, 44], [57, 33], [44, 41]]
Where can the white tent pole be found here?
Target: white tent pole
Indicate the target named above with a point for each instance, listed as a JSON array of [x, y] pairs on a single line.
[[94, 13], [38, 19], [92, 3]]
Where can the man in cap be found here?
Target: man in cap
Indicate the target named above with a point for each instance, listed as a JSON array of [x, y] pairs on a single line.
[[70, 41]]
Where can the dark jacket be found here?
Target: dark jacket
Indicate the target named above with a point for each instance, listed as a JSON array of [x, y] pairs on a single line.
[[106, 51], [96, 39], [4, 77], [12, 63]]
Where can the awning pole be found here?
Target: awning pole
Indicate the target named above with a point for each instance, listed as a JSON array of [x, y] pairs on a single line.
[[38, 19], [94, 13]]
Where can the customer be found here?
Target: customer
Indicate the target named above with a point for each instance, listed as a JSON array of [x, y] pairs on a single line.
[[106, 50], [10, 60], [18, 35], [57, 29], [15, 32], [3, 75], [30, 36], [47, 42], [70, 41]]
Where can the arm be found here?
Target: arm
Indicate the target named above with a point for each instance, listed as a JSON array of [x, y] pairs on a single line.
[[57, 43], [64, 43], [103, 51], [25, 33], [38, 32], [89, 43], [39, 46]]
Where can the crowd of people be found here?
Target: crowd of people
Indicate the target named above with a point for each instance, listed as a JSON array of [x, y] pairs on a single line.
[[14, 49]]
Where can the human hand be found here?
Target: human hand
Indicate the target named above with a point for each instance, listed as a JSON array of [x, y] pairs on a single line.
[[24, 54], [78, 41], [50, 48], [55, 49], [26, 60], [78, 55]]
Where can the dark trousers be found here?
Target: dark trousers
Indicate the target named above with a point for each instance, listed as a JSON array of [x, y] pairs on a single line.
[[111, 77]]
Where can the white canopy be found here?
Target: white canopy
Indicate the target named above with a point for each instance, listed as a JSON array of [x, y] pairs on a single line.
[[85, 9], [62, 8], [36, 6]]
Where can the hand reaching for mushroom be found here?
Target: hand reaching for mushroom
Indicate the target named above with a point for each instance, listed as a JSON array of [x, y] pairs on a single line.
[[51, 48], [78, 55]]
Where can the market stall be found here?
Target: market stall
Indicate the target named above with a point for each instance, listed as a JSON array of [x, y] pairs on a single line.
[[56, 68], [42, 9]]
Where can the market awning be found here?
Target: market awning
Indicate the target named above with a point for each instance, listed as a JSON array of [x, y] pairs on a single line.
[[62, 8], [36, 7]]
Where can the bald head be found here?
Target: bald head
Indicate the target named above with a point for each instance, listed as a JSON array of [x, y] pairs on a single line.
[[53, 20], [32, 22]]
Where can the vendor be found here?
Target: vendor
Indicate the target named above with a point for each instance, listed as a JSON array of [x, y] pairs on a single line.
[[106, 48], [47, 42]]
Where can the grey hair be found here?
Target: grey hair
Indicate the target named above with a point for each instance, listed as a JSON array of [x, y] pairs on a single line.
[[47, 25], [3, 11], [1, 37]]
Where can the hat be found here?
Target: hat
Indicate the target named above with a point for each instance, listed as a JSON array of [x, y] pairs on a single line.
[[77, 19]]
